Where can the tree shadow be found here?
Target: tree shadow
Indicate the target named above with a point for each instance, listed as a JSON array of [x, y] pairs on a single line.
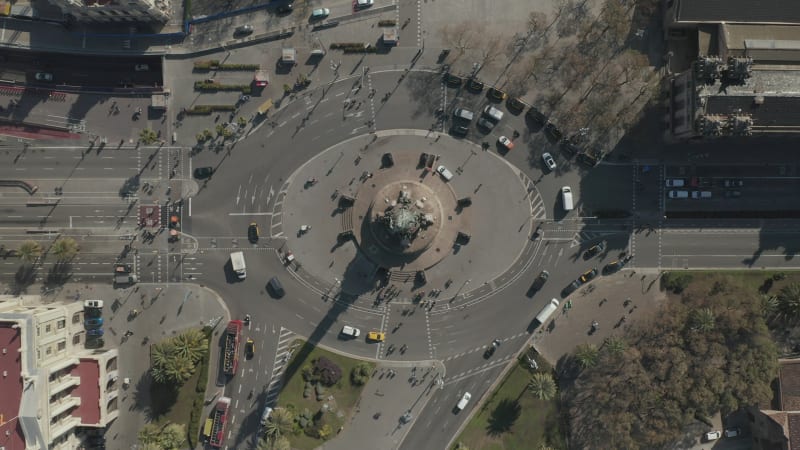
[[24, 278], [130, 187], [504, 416], [59, 274]]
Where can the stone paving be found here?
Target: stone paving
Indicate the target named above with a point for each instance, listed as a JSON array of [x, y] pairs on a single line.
[[604, 304]]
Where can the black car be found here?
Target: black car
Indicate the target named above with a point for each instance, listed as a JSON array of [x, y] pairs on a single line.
[[593, 250], [552, 130], [612, 267], [203, 172], [588, 275], [475, 86], [515, 105], [491, 349], [485, 123], [452, 80], [459, 130], [570, 288], [540, 280], [252, 232], [286, 8], [536, 116]]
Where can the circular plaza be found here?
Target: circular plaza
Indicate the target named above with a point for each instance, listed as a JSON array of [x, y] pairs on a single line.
[[414, 210]]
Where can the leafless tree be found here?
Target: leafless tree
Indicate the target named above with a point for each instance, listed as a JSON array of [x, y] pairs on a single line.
[[571, 15], [462, 36], [616, 17], [489, 49]]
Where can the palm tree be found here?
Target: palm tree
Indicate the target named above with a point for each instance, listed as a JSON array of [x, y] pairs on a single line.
[[788, 307], [542, 386], [280, 443], [65, 249], [161, 353], [615, 345], [179, 369], [586, 355], [30, 251], [191, 344], [280, 423], [703, 320]]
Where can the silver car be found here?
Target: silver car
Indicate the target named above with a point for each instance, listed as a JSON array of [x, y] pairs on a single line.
[[549, 161]]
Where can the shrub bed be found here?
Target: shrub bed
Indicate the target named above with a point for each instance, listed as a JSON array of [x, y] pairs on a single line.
[[203, 86], [354, 47], [213, 64], [204, 110], [200, 392], [387, 23]]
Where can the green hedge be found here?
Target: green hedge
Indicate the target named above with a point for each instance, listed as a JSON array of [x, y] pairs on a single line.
[[214, 64], [353, 47], [201, 110], [200, 392], [387, 23], [203, 86]]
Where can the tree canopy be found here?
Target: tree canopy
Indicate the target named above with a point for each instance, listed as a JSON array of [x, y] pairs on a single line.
[[702, 354]]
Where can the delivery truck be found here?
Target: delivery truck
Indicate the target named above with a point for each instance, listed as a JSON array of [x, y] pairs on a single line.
[[547, 311], [238, 265]]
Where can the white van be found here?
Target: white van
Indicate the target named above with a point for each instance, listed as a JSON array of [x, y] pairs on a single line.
[[547, 311], [493, 113], [678, 194], [465, 114], [701, 194], [237, 262], [566, 198], [265, 415]]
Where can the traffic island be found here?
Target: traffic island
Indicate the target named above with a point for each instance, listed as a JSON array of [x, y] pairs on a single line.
[[321, 392]]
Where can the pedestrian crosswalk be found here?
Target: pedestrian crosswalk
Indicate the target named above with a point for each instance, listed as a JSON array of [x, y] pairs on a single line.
[[283, 354]]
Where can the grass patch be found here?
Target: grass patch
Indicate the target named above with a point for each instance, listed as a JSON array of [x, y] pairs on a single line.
[[344, 394], [171, 405], [513, 419], [749, 282]]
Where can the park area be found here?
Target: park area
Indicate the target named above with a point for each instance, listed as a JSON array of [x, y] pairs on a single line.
[[320, 391], [513, 418]]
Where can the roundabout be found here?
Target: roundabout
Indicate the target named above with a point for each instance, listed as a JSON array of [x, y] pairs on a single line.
[[381, 215]]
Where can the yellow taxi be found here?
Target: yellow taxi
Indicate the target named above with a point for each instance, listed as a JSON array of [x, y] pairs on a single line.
[[376, 336]]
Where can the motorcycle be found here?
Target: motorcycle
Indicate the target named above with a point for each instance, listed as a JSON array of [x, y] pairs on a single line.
[[247, 319]]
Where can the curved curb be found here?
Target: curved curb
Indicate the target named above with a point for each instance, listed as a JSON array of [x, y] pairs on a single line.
[[522, 178]]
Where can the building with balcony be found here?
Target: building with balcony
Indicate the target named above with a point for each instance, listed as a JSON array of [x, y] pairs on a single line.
[[51, 384], [115, 11], [777, 426], [736, 68]]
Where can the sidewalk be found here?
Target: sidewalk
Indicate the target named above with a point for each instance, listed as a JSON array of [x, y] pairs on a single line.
[[384, 401], [163, 312], [572, 327]]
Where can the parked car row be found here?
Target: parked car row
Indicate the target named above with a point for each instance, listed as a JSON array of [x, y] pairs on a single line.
[[93, 322], [592, 273]]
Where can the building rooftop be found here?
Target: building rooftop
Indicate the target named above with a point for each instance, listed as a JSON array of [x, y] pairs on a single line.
[[789, 377], [88, 390], [743, 11], [11, 435]]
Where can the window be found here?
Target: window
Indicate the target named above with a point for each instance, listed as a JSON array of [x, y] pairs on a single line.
[[62, 345], [61, 324], [49, 350], [76, 318], [47, 328], [76, 339]]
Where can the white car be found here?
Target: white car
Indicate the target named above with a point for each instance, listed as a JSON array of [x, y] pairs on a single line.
[[43, 76], [506, 142], [676, 182], [364, 3], [93, 304], [712, 436], [549, 161], [349, 331], [446, 174], [464, 400], [320, 13]]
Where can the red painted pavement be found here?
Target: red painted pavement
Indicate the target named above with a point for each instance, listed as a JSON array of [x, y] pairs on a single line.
[[10, 387], [34, 132], [88, 390]]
